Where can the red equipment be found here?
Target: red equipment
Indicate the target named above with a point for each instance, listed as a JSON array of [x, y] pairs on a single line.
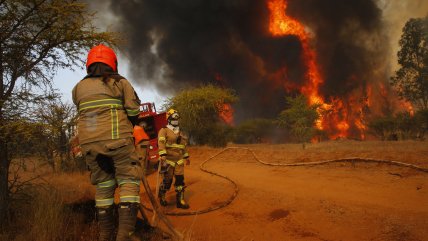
[[153, 123]]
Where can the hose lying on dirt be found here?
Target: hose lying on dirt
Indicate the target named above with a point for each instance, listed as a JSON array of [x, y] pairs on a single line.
[[235, 193], [348, 159], [175, 235], [212, 208], [171, 230]]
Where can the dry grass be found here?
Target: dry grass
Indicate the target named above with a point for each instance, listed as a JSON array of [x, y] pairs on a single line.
[[48, 218]]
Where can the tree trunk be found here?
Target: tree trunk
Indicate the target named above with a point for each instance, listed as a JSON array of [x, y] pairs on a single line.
[[4, 184]]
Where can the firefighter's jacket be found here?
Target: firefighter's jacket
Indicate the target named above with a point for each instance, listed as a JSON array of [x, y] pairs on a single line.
[[104, 109], [173, 146]]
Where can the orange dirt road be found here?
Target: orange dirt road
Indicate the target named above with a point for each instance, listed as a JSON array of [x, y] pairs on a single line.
[[341, 201]]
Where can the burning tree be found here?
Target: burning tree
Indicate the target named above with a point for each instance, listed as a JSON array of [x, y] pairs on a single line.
[[411, 80], [203, 113], [36, 38]]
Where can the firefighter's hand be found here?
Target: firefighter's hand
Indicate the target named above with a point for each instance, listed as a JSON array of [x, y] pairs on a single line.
[[187, 161], [162, 158]]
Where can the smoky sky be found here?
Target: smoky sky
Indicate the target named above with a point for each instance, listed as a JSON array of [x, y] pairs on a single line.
[[176, 43]]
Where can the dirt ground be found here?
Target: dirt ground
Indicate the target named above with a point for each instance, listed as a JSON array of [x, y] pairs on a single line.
[[341, 201]]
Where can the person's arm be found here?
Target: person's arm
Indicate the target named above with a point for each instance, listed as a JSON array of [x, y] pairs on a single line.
[[162, 143], [186, 153], [131, 102]]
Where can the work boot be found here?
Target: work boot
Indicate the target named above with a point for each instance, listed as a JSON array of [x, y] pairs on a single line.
[[127, 220], [162, 198], [106, 223], [181, 203]]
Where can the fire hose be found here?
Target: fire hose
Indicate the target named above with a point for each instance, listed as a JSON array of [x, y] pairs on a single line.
[[315, 163]]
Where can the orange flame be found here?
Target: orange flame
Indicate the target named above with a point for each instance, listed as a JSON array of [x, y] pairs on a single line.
[[226, 110], [280, 25], [335, 116], [226, 114]]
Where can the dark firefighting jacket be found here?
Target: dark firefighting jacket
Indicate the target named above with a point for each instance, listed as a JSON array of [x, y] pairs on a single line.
[[104, 108]]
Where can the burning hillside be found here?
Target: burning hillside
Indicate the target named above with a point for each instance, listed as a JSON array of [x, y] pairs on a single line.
[[331, 51]]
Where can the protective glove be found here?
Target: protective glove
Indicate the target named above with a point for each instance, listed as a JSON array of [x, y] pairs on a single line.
[[163, 164]]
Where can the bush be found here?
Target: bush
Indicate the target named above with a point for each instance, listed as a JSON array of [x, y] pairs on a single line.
[[254, 131], [402, 126], [200, 110]]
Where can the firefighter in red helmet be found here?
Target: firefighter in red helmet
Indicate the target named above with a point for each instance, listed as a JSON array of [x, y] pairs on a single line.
[[173, 154], [108, 109]]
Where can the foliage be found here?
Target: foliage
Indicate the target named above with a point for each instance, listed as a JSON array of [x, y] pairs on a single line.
[[299, 118], [199, 110], [401, 126], [254, 131], [383, 127], [422, 122], [36, 38], [411, 80], [58, 120]]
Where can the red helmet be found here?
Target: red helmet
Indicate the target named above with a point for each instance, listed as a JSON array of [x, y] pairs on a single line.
[[102, 54]]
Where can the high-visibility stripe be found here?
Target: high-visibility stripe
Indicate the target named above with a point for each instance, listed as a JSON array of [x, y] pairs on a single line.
[[162, 152], [127, 181], [180, 162], [186, 155], [106, 184], [173, 164], [175, 146], [104, 202], [130, 199], [114, 124], [132, 112], [162, 138], [100, 103], [179, 188]]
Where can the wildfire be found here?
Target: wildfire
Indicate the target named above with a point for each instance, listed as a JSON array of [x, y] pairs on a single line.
[[226, 110], [334, 116], [226, 114]]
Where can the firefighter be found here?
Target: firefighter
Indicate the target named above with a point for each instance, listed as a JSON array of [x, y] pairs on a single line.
[[173, 154], [108, 108]]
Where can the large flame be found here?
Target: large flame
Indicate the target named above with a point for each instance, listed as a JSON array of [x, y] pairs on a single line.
[[335, 115]]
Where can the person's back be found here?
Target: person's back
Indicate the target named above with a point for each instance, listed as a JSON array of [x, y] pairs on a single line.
[[108, 108], [102, 111]]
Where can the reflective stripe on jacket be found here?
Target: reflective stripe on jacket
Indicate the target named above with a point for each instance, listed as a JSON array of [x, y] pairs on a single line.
[[104, 109]]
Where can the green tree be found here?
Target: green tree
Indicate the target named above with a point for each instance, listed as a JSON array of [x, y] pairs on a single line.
[[36, 38], [200, 110], [299, 118], [411, 79]]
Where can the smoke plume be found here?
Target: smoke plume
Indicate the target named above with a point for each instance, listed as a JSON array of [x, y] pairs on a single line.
[[175, 44]]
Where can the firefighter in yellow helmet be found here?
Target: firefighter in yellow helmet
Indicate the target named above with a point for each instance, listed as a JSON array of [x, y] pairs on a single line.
[[173, 154], [108, 108]]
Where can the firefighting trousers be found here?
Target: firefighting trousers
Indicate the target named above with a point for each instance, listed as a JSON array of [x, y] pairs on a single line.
[[114, 163], [172, 171]]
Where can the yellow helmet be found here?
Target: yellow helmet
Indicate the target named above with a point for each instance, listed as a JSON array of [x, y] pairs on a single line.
[[171, 113]]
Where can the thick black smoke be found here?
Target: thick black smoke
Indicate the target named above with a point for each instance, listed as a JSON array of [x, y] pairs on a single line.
[[175, 43]]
